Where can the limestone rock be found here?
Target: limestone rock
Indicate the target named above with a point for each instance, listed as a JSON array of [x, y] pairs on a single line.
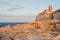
[[48, 14], [46, 27], [57, 38]]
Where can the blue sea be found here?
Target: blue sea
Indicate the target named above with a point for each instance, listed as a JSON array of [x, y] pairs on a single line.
[[2, 24]]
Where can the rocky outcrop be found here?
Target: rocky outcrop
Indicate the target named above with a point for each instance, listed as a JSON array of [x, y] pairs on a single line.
[[48, 14], [31, 31], [57, 38], [51, 18], [46, 27]]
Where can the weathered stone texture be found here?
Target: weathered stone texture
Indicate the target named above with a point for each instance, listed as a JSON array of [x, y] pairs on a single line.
[[46, 27]]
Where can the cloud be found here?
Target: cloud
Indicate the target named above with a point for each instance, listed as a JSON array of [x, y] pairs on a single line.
[[3, 0], [6, 3], [13, 6], [11, 9]]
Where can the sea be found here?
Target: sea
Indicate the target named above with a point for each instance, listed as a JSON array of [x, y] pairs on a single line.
[[3, 24]]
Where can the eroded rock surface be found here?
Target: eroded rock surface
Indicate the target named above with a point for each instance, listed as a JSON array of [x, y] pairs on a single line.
[[46, 27], [30, 31], [48, 14]]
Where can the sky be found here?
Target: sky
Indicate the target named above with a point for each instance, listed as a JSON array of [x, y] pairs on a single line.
[[25, 7]]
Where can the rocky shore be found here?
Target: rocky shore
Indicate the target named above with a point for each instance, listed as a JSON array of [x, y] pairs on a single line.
[[30, 31], [46, 27]]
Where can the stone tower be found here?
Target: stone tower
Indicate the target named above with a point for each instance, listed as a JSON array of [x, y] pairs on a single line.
[[49, 13]]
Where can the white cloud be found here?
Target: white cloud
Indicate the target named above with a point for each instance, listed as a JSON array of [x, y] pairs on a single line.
[[3, 0], [10, 6]]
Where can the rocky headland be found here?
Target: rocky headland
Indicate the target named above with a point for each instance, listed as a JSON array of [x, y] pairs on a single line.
[[46, 27]]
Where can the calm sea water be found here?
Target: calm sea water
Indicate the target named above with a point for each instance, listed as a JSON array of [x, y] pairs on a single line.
[[11, 24]]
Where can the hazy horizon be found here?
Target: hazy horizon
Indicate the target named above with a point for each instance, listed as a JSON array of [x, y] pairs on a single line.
[[17, 19], [24, 10]]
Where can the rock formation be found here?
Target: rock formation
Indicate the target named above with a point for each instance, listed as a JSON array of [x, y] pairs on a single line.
[[34, 30], [48, 14], [46, 27], [50, 17], [30, 31]]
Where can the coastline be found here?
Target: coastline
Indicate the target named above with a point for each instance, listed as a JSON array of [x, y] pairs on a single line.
[[42, 30]]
